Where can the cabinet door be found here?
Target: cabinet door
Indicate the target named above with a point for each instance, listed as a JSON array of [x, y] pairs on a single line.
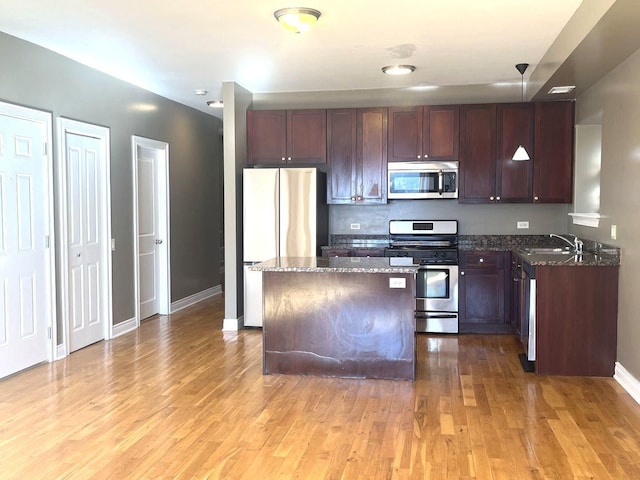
[[405, 134], [481, 300], [478, 154], [553, 152], [516, 281], [484, 292], [266, 136], [371, 180], [441, 132], [341, 146], [514, 128], [307, 136]]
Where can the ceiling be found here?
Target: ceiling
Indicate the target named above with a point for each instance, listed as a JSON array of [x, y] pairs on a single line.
[[172, 48]]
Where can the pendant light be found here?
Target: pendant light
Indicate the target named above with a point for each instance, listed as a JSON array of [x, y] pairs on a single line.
[[521, 152]]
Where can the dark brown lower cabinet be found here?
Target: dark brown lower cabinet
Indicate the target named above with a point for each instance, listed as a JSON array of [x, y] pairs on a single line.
[[576, 320], [483, 292], [345, 324]]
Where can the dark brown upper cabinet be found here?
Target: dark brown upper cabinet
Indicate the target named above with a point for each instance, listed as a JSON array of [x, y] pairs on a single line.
[[286, 137], [553, 152], [514, 181], [424, 133], [477, 153], [357, 156]]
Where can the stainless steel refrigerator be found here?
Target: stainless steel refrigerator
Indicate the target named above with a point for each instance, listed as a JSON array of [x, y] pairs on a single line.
[[285, 214]]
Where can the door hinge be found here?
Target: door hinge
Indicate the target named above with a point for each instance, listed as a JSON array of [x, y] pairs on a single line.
[[49, 333], [44, 147], [46, 241]]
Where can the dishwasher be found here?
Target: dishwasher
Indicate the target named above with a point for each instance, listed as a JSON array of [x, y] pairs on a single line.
[[528, 327]]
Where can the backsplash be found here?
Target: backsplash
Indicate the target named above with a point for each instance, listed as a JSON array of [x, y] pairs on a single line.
[[478, 219]]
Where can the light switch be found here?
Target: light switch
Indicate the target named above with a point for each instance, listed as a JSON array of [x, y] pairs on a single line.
[[614, 232], [355, 226], [522, 224]]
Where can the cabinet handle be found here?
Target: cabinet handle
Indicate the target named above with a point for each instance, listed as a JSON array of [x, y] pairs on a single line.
[[419, 157], [284, 159], [289, 158], [491, 198], [497, 199], [535, 199], [359, 197], [353, 199], [462, 273], [425, 156], [481, 260]]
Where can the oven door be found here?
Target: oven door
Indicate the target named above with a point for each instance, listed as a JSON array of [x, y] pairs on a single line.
[[437, 299]]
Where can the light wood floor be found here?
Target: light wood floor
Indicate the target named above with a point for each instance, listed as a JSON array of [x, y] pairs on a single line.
[[180, 399]]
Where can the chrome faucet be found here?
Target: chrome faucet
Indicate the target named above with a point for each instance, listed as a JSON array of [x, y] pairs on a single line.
[[577, 244]]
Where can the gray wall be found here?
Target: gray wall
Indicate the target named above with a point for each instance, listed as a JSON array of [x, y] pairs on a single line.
[[617, 96], [38, 78], [473, 219]]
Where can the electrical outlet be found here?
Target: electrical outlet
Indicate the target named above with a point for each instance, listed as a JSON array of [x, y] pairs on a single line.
[[614, 232], [523, 224], [355, 226], [397, 282]]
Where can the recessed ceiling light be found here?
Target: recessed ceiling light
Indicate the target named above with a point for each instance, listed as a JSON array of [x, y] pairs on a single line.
[[563, 89], [297, 19], [199, 91], [398, 69], [215, 103]]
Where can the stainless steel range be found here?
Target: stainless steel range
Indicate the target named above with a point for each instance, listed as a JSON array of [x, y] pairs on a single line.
[[432, 244]]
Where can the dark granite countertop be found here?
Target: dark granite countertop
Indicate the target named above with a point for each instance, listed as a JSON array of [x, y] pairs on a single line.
[[334, 264], [596, 254]]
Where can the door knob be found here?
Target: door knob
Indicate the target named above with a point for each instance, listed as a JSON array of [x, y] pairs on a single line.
[[158, 241]]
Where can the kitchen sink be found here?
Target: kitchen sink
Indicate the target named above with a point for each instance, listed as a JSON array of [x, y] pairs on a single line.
[[548, 251]]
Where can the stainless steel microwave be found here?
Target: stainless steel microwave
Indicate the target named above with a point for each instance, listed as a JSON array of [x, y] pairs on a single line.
[[422, 180]]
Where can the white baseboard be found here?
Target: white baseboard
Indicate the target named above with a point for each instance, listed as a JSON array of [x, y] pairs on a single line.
[[123, 327], [61, 352], [627, 381], [232, 324], [195, 298]]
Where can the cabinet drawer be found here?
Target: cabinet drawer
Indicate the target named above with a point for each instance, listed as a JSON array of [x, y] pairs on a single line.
[[482, 259], [368, 252], [336, 252]]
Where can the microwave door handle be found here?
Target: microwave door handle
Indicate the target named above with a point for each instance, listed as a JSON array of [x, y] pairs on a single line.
[[440, 182]]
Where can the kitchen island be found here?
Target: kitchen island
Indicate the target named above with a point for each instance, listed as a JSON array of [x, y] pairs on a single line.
[[342, 317]]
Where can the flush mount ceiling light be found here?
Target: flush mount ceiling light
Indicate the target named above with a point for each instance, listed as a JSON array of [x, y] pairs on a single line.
[[215, 103], [398, 69], [200, 91], [297, 19], [521, 152], [562, 89]]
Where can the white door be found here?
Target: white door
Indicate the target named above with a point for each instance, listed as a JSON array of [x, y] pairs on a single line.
[[151, 187], [25, 210], [88, 278]]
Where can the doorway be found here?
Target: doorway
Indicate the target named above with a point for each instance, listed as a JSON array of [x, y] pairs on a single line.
[[27, 289], [151, 227], [85, 232]]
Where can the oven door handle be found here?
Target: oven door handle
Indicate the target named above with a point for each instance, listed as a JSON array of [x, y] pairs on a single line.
[[436, 315]]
